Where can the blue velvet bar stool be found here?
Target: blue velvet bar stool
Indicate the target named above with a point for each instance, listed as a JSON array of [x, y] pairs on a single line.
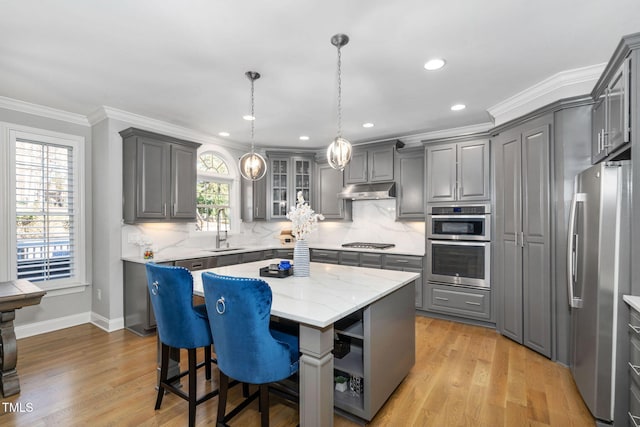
[[180, 325], [247, 349]]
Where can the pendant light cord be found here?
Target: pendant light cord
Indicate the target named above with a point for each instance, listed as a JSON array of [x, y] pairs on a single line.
[[339, 93], [253, 116]]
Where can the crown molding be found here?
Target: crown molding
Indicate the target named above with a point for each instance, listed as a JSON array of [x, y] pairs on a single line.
[[419, 138], [43, 111], [162, 127], [565, 84]]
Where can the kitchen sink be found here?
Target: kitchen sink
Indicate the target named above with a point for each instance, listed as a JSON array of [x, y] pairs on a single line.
[[224, 249]]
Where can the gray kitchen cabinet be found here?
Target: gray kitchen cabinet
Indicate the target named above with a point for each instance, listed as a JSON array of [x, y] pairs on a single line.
[[372, 163], [409, 263], [349, 258], [254, 199], [633, 377], [138, 311], [159, 177], [285, 253], [287, 176], [378, 355], [459, 301], [329, 183], [458, 171], [410, 200], [370, 260], [598, 124], [611, 124], [255, 256], [522, 229], [324, 255]]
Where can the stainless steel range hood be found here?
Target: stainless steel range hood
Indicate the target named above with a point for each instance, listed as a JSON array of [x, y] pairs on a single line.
[[374, 191]]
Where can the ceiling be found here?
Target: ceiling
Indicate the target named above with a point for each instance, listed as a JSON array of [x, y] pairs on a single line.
[[184, 62]]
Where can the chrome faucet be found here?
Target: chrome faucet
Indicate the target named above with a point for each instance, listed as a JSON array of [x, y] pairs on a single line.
[[218, 238]]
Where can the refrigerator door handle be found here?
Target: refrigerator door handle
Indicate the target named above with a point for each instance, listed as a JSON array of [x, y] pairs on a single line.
[[572, 247]]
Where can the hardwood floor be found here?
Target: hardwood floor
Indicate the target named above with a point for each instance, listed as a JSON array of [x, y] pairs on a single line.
[[464, 376]]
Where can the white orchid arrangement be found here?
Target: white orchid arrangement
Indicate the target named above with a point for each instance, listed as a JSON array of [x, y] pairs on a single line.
[[303, 219]]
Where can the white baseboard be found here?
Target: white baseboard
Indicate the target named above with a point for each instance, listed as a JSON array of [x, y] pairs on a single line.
[[37, 328], [45, 326], [105, 324]]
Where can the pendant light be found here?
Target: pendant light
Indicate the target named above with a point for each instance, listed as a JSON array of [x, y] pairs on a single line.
[[252, 165], [339, 152]]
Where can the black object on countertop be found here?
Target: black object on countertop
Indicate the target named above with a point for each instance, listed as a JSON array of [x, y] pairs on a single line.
[[280, 274]]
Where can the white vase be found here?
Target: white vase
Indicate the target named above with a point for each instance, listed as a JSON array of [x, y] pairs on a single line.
[[301, 259]]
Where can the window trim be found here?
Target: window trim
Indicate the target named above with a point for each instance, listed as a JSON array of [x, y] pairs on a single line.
[[234, 187], [9, 134]]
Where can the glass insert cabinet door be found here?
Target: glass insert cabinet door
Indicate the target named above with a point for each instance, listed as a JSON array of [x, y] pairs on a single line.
[[302, 179], [288, 176], [279, 180]]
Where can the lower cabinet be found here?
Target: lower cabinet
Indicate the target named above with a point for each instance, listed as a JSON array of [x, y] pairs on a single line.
[[458, 301], [374, 363], [634, 368], [138, 313], [412, 264], [409, 263], [325, 256]]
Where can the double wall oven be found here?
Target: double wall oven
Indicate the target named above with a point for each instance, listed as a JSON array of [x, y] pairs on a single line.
[[459, 245]]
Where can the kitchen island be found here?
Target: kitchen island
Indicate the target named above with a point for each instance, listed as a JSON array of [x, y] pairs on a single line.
[[374, 307]]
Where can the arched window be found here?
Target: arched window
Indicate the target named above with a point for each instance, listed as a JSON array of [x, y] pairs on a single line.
[[213, 193]]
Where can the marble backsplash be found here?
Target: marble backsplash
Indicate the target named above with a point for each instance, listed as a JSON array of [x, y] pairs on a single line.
[[373, 221]]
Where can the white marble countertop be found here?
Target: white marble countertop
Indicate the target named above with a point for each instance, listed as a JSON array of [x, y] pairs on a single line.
[[329, 294], [180, 253], [633, 301]]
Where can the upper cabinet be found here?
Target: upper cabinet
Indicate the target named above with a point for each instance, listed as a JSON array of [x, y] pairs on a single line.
[[458, 171], [617, 102], [329, 183], [159, 177], [254, 199], [287, 176], [410, 171], [373, 163], [611, 120]]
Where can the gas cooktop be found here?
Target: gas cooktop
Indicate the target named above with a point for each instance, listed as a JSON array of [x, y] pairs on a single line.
[[364, 245]]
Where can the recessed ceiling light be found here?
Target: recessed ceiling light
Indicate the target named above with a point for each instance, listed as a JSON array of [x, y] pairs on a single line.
[[223, 133], [304, 138], [458, 107], [434, 64], [248, 117], [367, 125]]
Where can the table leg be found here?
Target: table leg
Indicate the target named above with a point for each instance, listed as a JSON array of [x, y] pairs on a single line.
[[316, 376], [9, 355]]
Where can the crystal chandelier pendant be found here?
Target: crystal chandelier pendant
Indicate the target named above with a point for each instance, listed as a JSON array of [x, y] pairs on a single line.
[[253, 166], [339, 153]]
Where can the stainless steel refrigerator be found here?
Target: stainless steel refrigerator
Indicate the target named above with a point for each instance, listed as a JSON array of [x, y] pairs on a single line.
[[598, 254]]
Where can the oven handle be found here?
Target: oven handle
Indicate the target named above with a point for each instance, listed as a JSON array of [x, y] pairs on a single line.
[[479, 216], [459, 243]]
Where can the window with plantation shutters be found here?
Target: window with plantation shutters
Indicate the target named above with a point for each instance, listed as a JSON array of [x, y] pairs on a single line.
[[45, 223]]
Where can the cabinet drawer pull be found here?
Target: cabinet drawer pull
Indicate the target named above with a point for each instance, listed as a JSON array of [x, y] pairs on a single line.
[[196, 265], [636, 329], [321, 255], [633, 419], [442, 298], [636, 369], [472, 303], [401, 261]]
